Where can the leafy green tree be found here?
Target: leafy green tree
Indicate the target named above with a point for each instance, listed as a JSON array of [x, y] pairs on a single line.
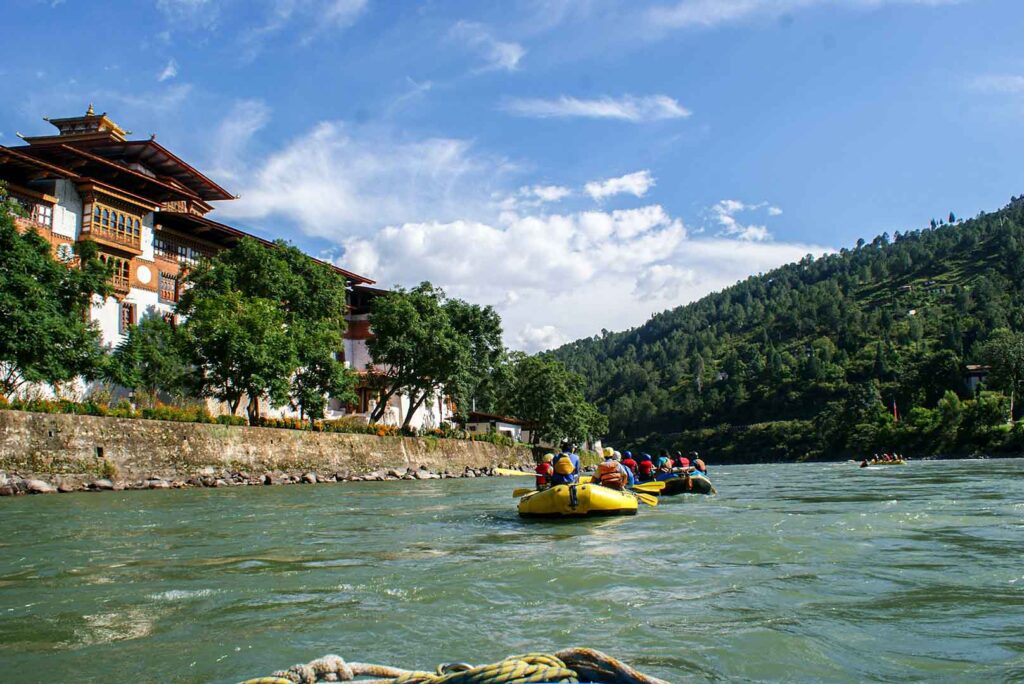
[[46, 334], [299, 340], [548, 396], [426, 344], [151, 359], [1004, 353]]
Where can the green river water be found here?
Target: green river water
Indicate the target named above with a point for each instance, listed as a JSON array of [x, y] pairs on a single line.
[[820, 572]]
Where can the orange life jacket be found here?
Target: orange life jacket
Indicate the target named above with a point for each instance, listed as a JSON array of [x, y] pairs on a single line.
[[609, 475]]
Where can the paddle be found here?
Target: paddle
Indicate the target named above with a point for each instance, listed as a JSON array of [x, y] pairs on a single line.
[[522, 491], [652, 487], [512, 473], [646, 498]]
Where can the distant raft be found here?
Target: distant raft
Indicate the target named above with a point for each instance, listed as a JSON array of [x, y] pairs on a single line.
[[697, 484], [577, 501], [898, 461]]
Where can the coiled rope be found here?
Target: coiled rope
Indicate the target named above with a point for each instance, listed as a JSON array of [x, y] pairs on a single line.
[[569, 666]]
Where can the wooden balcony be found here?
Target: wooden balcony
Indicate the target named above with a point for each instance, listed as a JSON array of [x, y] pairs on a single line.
[[122, 284], [26, 224], [114, 238]]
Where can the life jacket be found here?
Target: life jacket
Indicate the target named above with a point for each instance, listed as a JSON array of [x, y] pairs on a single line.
[[544, 473], [609, 475], [564, 465], [630, 463], [683, 462], [646, 468]]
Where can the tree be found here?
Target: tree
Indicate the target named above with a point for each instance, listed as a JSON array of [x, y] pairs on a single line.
[[46, 334], [425, 344], [547, 395], [308, 301], [151, 359], [1004, 354]]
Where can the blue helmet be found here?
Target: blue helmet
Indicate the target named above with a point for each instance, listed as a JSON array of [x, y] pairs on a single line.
[[645, 457], [627, 454]]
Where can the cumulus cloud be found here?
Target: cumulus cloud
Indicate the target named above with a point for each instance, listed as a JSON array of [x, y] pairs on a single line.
[[168, 72], [498, 54], [774, 211], [636, 184], [710, 13], [625, 108], [555, 277]]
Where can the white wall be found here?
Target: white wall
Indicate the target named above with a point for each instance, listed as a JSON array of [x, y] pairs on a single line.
[[67, 215]]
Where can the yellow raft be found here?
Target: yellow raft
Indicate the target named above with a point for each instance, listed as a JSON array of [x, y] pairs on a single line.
[[577, 500], [896, 462]]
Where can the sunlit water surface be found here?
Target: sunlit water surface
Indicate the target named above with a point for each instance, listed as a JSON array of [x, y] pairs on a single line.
[[796, 573]]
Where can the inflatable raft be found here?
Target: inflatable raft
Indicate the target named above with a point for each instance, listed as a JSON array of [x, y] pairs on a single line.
[[577, 500], [698, 484], [896, 462]]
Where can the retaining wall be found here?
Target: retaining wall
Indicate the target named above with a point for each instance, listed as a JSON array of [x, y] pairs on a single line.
[[57, 447]]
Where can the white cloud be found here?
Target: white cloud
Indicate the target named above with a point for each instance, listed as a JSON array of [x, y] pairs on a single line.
[[636, 184], [555, 277], [1005, 84], [533, 338], [499, 55], [169, 71], [625, 108], [530, 196], [233, 136], [724, 213], [331, 183], [710, 13]]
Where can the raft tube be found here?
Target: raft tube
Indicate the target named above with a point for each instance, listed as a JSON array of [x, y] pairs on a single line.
[[677, 485], [897, 462], [577, 501]]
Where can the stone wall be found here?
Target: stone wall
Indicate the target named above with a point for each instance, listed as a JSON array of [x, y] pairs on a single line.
[[66, 447]]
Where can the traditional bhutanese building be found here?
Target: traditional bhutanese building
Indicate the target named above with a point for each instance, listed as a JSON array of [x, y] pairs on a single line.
[[147, 211]]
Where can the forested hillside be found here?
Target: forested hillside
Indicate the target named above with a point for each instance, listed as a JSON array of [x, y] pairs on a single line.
[[806, 361]]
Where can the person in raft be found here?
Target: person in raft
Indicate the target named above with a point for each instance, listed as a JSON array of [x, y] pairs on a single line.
[[664, 463], [699, 467], [627, 460], [645, 468], [567, 467], [611, 473], [545, 471], [681, 461]]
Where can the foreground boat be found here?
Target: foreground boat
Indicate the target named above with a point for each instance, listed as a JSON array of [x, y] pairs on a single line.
[[578, 500], [696, 484]]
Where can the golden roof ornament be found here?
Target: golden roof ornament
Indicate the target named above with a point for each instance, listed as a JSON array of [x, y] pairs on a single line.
[[90, 111]]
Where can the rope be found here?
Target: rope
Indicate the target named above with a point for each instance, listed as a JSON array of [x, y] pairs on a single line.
[[568, 666]]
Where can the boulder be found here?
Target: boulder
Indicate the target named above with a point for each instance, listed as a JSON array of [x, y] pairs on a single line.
[[38, 487], [7, 490], [101, 485], [309, 478], [119, 486], [65, 488], [220, 483], [157, 483], [396, 474]]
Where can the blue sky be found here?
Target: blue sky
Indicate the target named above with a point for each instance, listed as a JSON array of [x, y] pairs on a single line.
[[579, 165]]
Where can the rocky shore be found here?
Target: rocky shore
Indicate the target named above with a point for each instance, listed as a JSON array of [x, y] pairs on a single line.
[[14, 484]]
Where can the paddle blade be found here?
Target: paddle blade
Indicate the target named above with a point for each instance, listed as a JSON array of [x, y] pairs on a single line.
[[652, 487], [522, 491], [512, 473], [646, 498]]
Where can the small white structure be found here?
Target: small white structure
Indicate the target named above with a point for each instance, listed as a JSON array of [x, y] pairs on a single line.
[[478, 423]]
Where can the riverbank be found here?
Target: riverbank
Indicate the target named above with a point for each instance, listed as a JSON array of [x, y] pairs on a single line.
[[44, 453]]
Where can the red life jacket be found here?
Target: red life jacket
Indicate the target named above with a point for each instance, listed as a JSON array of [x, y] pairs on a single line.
[[683, 462], [630, 463], [544, 473], [646, 468]]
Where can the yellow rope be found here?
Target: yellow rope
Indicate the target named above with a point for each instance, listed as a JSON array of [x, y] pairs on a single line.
[[565, 667]]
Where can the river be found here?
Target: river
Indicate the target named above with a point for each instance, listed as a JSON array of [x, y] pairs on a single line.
[[820, 572]]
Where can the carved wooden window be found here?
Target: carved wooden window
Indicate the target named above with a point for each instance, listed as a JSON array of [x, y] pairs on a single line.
[[127, 317], [168, 287], [116, 223]]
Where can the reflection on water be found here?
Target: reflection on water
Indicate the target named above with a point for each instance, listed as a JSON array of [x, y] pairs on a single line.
[[797, 573]]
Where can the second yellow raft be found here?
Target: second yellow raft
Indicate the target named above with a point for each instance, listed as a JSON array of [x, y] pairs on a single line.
[[577, 500]]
